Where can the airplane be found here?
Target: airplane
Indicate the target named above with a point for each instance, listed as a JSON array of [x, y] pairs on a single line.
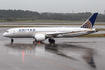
[[42, 33]]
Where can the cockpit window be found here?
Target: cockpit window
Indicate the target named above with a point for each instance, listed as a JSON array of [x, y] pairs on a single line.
[[7, 31]]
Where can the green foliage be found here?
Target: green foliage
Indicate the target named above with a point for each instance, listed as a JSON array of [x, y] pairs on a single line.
[[94, 35], [101, 29], [21, 15]]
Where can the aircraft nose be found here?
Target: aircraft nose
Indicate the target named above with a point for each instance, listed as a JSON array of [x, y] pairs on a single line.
[[4, 34]]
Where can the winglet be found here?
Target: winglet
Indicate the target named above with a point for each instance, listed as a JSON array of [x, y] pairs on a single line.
[[90, 22]]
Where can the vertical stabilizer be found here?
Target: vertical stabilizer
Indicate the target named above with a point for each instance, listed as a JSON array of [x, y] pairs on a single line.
[[90, 22]]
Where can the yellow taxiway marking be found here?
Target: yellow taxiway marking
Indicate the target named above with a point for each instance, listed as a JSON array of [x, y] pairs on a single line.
[[29, 47]]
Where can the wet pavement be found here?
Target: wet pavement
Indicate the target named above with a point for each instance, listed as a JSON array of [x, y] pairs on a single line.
[[66, 54], [47, 24]]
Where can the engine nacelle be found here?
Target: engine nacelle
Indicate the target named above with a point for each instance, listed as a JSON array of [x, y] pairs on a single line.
[[40, 37]]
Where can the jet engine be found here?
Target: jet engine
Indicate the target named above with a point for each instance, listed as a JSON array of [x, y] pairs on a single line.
[[40, 37]]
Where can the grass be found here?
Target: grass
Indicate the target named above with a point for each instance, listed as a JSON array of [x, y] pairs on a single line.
[[41, 24], [100, 29], [45, 21], [51, 21], [94, 35]]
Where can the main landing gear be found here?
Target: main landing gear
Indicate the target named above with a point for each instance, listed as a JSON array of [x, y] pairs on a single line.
[[37, 42], [51, 41], [12, 41]]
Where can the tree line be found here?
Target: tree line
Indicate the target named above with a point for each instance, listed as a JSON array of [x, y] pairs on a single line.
[[21, 15]]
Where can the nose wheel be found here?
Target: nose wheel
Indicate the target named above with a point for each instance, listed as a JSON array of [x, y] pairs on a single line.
[[12, 41]]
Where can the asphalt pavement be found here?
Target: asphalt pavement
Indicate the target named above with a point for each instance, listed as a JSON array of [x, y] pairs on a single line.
[[66, 54]]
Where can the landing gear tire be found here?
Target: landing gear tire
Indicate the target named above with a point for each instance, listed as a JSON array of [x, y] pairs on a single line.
[[51, 41], [12, 41]]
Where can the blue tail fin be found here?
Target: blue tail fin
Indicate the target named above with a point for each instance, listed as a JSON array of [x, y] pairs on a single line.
[[90, 22]]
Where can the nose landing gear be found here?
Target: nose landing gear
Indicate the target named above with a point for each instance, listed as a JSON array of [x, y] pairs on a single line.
[[12, 41]]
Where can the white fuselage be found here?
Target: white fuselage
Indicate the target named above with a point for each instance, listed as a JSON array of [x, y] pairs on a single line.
[[42, 33], [54, 32]]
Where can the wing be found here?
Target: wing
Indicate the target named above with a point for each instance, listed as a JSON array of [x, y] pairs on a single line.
[[55, 34]]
